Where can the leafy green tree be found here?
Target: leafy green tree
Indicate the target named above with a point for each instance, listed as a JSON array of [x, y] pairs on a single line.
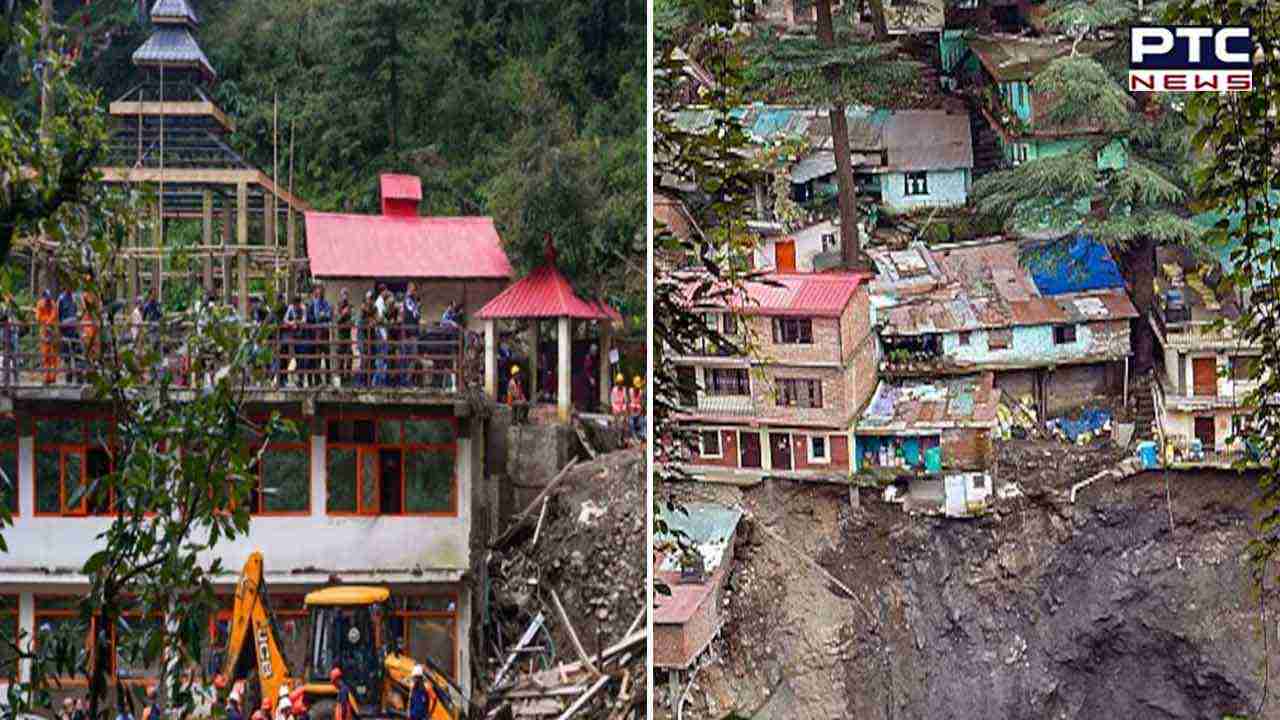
[[1239, 179], [181, 461], [838, 68], [1130, 208]]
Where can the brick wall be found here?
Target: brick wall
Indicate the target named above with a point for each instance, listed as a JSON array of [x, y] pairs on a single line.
[[836, 407], [825, 346], [837, 450], [728, 451], [966, 449]]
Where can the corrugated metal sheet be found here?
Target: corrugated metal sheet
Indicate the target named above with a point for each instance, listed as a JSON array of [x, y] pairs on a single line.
[[174, 10], [400, 187], [917, 405], [172, 45], [928, 140], [808, 295], [986, 286], [544, 293], [375, 246]]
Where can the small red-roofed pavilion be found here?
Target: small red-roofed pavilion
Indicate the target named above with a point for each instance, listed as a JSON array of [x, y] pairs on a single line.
[[545, 294]]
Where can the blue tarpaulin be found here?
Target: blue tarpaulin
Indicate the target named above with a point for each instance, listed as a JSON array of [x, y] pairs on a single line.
[[1089, 421], [1085, 265]]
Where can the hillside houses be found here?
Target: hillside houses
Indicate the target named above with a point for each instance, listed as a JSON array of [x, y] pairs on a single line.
[[1052, 325]]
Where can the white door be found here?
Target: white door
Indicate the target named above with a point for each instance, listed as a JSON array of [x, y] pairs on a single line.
[[954, 489]]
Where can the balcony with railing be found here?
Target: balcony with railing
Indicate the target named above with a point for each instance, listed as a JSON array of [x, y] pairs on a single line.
[[1180, 329], [411, 363], [718, 406]]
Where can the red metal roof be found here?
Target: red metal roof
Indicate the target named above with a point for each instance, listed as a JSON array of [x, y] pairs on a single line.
[[378, 246], [401, 187], [801, 294], [544, 293]]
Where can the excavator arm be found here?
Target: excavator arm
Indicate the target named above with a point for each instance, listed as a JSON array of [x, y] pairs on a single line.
[[253, 645]]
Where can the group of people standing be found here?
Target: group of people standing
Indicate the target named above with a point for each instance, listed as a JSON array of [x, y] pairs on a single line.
[[381, 343]]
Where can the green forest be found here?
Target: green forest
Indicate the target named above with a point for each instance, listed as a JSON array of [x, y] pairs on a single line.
[[532, 111]]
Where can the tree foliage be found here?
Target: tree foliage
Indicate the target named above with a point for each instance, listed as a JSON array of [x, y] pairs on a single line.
[[1239, 180]]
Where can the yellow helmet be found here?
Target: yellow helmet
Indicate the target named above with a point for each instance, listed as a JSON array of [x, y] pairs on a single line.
[[515, 369], [619, 378], [638, 382]]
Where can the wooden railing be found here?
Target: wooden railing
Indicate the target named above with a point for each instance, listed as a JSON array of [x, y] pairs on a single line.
[[376, 357]]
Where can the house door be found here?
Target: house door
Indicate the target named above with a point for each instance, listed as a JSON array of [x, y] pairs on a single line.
[[749, 450], [954, 489], [785, 253], [780, 450], [1205, 433], [687, 385], [1204, 376]]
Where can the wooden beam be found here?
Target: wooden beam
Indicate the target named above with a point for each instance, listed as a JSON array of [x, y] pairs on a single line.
[[243, 284], [201, 176], [157, 268], [223, 261], [132, 109]]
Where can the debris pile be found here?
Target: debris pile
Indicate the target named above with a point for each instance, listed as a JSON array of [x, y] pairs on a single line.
[[564, 613]]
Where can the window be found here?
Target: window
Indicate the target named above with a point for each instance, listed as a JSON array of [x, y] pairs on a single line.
[[130, 661], [1064, 334], [829, 243], [797, 392], [1020, 153], [728, 381], [1240, 367], [9, 462], [730, 325], [965, 337], [59, 616], [427, 627], [8, 636], [392, 466], [818, 450], [709, 443], [1000, 339], [793, 331], [917, 183], [284, 473], [71, 452]]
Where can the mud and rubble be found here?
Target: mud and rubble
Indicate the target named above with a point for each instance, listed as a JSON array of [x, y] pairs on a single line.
[[586, 554], [1135, 601]]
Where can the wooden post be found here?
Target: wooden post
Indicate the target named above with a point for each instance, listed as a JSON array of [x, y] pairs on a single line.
[[242, 241], [224, 261], [291, 238], [158, 267], [269, 220], [243, 282], [535, 335], [490, 359], [606, 374], [206, 238], [564, 406]]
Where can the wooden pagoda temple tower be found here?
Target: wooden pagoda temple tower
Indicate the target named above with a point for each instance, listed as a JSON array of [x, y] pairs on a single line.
[[171, 135]]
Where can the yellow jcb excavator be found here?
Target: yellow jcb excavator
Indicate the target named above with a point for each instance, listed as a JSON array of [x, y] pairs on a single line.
[[348, 632]]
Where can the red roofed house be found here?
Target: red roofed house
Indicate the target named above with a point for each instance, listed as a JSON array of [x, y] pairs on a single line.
[[451, 259], [686, 620], [545, 294], [787, 407]]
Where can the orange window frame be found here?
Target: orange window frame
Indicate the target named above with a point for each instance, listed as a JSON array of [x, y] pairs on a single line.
[[363, 449], [83, 448], [260, 470], [451, 615], [13, 448], [63, 614], [114, 662]]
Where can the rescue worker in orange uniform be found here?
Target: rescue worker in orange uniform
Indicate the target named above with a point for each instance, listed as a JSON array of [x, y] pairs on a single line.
[[637, 407], [618, 402], [47, 317]]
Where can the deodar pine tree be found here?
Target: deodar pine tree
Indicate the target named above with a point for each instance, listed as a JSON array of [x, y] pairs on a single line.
[[1124, 185]]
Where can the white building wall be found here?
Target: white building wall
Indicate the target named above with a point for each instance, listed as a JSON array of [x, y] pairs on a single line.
[[808, 243], [947, 188]]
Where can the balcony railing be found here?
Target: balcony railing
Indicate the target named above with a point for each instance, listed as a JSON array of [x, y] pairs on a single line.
[[1179, 330], [428, 359], [720, 405]]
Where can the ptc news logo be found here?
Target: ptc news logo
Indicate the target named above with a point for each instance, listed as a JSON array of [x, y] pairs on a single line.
[[1166, 58]]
